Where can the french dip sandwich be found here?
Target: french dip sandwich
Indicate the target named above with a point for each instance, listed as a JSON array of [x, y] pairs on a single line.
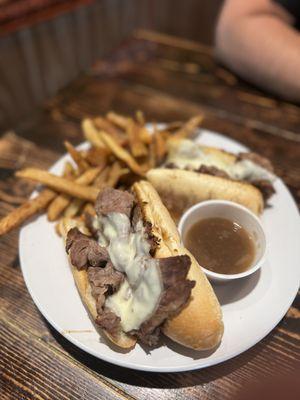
[[192, 173], [134, 276]]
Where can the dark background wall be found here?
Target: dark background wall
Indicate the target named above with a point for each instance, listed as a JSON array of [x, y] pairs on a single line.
[[41, 51]]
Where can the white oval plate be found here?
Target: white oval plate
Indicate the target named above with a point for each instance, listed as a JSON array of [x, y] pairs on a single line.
[[251, 307]]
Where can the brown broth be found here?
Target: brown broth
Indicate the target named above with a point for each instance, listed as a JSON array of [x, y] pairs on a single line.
[[220, 245]]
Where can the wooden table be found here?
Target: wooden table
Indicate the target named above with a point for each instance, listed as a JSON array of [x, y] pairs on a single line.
[[170, 79]]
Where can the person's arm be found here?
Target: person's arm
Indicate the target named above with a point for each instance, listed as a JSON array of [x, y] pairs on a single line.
[[256, 40]]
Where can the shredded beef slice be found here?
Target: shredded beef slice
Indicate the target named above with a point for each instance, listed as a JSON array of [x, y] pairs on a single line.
[[104, 281], [265, 187], [109, 321], [136, 217], [84, 251], [257, 159], [113, 200], [171, 165], [203, 169], [176, 292], [210, 170]]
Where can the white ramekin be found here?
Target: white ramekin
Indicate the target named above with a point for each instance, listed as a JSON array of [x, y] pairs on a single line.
[[237, 213]]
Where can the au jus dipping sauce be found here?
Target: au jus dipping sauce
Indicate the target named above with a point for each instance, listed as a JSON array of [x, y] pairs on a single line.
[[220, 245]]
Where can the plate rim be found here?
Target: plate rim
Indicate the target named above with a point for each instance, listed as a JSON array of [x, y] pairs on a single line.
[[143, 367]]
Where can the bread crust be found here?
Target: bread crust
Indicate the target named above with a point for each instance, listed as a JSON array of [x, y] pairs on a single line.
[[84, 288], [199, 324], [181, 189]]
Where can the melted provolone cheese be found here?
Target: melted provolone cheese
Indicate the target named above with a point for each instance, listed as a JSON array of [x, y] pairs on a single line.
[[189, 155], [139, 294]]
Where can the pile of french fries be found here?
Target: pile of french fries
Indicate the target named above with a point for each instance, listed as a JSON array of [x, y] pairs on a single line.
[[122, 149]]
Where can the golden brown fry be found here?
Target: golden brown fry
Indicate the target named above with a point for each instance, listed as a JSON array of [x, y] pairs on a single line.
[[89, 208], [69, 170], [102, 178], [189, 127], [144, 135], [25, 211], [137, 147], [105, 125], [77, 157], [91, 133], [152, 154], [73, 208], [62, 201], [59, 184], [57, 206], [121, 153], [117, 119], [97, 156], [115, 173], [159, 147], [140, 118]]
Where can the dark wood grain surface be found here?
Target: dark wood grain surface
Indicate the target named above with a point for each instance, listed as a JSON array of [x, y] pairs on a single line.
[[170, 79]]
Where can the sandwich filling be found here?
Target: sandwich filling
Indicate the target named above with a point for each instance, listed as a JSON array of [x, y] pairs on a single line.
[[134, 292], [249, 167]]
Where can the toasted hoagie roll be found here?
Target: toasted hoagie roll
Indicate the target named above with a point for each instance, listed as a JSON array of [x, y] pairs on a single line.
[[135, 277], [192, 173]]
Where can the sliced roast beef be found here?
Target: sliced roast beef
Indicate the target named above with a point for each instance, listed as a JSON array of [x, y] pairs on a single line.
[[176, 292], [136, 217], [107, 277], [257, 159], [109, 321], [210, 170], [266, 188], [171, 165], [113, 200], [104, 281], [84, 251]]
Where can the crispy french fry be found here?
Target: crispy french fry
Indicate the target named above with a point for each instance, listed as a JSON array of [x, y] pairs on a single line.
[[73, 208], [144, 135], [137, 147], [61, 202], [89, 208], [159, 147], [152, 154], [97, 156], [25, 211], [117, 119], [59, 184], [115, 173], [121, 153], [57, 206], [102, 178], [140, 118], [69, 170], [77, 157], [105, 125], [188, 128], [91, 133]]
